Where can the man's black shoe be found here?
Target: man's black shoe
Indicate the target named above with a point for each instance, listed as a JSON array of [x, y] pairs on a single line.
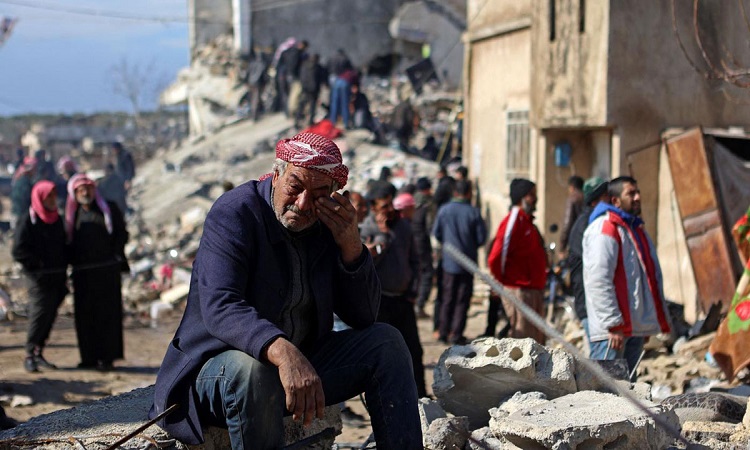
[[30, 364], [43, 363]]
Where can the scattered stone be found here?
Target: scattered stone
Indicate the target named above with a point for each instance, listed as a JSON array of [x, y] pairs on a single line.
[[471, 379], [175, 294], [701, 432], [448, 433], [746, 417], [586, 420], [429, 410], [521, 400], [483, 439]]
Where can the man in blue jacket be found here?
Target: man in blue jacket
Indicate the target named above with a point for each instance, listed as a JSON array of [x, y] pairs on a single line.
[[277, 258]]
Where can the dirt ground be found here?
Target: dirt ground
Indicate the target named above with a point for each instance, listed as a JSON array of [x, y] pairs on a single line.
[[68, 386]]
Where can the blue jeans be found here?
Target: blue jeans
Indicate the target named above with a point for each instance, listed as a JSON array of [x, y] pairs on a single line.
[[246, 395], [631, 351], [340, 93]]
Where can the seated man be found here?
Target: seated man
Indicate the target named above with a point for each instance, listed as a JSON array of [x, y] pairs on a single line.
[[277, 258]]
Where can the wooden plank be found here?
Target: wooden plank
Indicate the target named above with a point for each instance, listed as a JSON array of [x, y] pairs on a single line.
[[691, 173], [712, 267]]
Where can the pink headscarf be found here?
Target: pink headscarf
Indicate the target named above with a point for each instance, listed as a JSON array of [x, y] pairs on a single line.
[[403, 201], [71, 205], [39, 193], [312, 151]]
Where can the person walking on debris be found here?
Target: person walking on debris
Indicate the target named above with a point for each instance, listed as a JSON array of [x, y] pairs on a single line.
[[594, 192], [124, 165], [96, 232], [405, 121], [255, 78], [39, 246], [622, 277], [341, 92], [277, 258], [518, 260], [312, 76], [391, 243], [461, 225], [290, 63], [421, 227], [573, 207]]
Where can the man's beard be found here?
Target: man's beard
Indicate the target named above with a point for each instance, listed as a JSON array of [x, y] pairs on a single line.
[[286, 222], [527, 207], [85, 200]]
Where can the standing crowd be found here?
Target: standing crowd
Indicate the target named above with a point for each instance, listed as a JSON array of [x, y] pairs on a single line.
[[62, 219]]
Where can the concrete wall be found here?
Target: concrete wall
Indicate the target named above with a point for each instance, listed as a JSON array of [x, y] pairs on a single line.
[[208, 19], [651, 84], [570, 72], [359, 27], [488, 101]]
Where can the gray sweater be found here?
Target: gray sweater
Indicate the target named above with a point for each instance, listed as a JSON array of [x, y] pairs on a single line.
[[397, 266]]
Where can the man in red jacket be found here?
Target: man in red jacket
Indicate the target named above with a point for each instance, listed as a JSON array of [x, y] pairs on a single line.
[[518, 260]]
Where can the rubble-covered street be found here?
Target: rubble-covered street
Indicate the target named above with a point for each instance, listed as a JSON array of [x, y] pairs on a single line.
[[487, 394]]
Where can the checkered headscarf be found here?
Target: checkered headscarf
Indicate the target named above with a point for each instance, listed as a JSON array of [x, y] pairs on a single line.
[[315, 152]]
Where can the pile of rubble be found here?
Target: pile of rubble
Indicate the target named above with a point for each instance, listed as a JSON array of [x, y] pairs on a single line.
[[515, 393]]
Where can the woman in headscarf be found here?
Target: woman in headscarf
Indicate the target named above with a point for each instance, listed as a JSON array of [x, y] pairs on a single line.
[[729, 348], [96, 232], [39, 246]]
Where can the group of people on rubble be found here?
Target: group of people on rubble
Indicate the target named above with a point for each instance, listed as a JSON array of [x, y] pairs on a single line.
[[298, 78], [615, 273], [63, 219]]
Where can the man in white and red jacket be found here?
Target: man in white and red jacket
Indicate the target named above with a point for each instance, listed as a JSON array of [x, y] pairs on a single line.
[[622, 277], [518, 260]]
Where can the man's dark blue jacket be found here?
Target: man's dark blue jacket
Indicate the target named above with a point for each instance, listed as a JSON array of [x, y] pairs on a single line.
[[238, 286]]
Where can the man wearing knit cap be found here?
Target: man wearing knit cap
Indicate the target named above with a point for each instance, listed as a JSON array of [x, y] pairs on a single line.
[[278, 257], [518, 260]]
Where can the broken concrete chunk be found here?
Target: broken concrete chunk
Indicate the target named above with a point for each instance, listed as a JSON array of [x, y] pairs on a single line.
[[586, 420], [521, 400], [429, 410], [448, 433], [482, 439], [175, 294], [703, 432], [471, 379]]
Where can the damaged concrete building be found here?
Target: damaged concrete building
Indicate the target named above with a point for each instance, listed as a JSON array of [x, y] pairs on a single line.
[[574, 87], [390, 33]]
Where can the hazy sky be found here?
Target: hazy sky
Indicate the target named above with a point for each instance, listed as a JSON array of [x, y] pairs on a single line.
[[61, 62]]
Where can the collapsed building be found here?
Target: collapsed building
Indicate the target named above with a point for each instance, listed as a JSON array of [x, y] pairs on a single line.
[[377, 36]]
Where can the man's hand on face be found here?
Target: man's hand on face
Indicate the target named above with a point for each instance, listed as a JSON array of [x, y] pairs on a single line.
[[304, 390], [337, 213]]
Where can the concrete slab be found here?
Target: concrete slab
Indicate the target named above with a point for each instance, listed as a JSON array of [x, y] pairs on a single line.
[[588, 419], [471, 379], [448, 433]]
